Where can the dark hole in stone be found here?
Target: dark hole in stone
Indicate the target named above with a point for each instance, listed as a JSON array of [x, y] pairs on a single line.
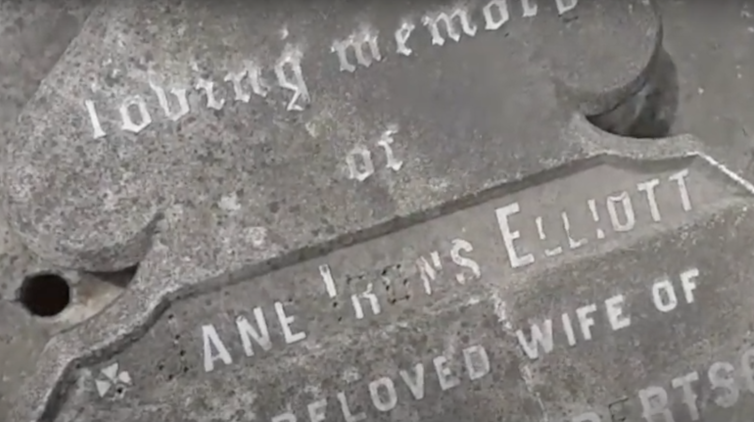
[[45, 295]]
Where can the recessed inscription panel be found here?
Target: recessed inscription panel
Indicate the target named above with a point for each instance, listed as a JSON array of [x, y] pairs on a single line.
[[615, 297], [362, 111]]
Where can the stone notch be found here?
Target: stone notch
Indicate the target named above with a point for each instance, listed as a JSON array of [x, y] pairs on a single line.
[[274, 129]]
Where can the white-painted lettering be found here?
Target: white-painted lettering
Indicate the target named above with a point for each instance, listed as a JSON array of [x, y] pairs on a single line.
[[585, 320], [451, 24], [317, 411], [370, 297], [209, 92], [654, 402], [490, 23], [587, 417], [530, 8], [477, 362], [97, 131], [539, 337], [568, 328], [565, 5], [592, 204], [324, 271], [360, 165], [663, 295], [254, 74], [688, 283], [509, 235], [385, 141], [460, 245], [235, 78], [402, 35], [387, 401], [428, 272], [145, 119], [648, 188], [628, 212], [284, 417], [162, 99], [721, 376], [689, 397], [365, 46], [614, 307], [747, 370], [214, 349], [260, 334], [432, 21], [415, 382], [680, 179], [291, 59], [542, 236], [258, 85], [285, 322], [444, 375], [572, 243], [347, 413]]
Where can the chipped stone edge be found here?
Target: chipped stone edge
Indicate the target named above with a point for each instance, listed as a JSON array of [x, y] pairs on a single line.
[[139, 308]]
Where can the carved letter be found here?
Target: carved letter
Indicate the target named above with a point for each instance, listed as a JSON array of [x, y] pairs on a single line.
[[502, 8], [370, 297], [209, 89], [292, 57], [530, 9], [94, 119], [180, 94], [680, 178], [565, 5], [360, 172], [433, 23], [401, 37], [254, 73], [628, 210], [385, 141], [358, 43], [144, 118]]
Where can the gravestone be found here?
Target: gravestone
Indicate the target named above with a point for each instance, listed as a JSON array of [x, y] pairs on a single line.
[[34, 36], [359, 211]]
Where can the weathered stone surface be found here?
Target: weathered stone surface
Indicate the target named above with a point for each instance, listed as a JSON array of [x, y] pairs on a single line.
[[264, 182], [620, 257], [33, 36], [87, 192]]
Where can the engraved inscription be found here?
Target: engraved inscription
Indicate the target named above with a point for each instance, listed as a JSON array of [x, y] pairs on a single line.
[[362, 48], [573, 327], [359, 159], [364, 45], [616, 213], [451, 21], [435, 272], [134, 112]]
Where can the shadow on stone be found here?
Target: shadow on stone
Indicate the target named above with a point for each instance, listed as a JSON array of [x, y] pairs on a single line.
[[650, 112], [119, 279]]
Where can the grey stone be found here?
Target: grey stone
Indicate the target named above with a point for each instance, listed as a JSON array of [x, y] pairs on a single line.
[[637, 286], [33, 36], [227, 195], [462, 112]]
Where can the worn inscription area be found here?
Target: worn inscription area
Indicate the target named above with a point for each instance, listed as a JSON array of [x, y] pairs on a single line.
[[362, 48], [567, 301], [374, 111]]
